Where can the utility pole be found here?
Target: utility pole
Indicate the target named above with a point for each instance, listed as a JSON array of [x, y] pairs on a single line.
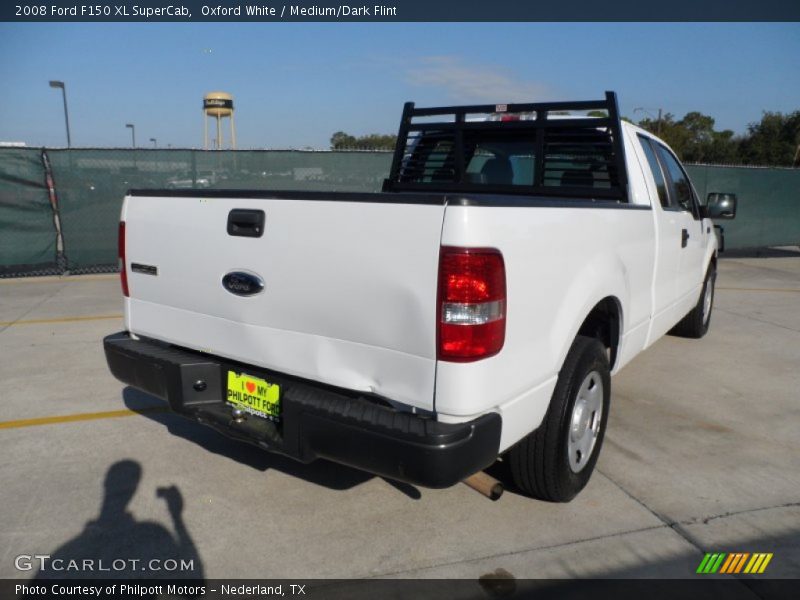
[[63, 87], [658, 120], [133, 133]]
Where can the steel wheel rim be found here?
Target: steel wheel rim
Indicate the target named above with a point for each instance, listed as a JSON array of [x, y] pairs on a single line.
[[708, 299], [584, 422]]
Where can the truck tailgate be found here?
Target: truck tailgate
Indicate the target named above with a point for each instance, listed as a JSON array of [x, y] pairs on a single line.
[[349, 284]]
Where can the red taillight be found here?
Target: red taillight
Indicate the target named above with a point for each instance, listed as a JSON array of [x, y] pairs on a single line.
[[471, 311], [123, 271]]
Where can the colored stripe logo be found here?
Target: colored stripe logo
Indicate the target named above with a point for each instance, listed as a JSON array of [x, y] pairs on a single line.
[[734, 562]]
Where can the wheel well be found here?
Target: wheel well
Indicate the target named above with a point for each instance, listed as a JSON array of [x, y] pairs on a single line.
[[603, 323]]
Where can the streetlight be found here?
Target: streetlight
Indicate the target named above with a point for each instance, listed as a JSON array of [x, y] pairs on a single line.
[[658, 121], [60, 84], [133, 133], [155, 142]]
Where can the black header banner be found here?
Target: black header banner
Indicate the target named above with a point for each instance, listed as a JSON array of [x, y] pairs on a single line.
[[399, 11], [401, 589]]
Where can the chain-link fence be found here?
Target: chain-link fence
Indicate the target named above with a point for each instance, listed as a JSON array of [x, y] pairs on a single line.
[[59, 208]]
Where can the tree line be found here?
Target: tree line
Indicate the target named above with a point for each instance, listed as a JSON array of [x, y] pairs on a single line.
[[772, 141], [374, 141]]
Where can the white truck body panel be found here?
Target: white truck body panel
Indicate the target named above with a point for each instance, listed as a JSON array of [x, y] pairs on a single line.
[[609, 251], [348, 298], [678, 272]]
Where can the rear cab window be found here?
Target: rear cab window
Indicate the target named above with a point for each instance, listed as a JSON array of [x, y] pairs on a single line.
[[582, 158]]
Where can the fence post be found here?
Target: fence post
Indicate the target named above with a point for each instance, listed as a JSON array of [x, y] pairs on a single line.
[[61, 258]]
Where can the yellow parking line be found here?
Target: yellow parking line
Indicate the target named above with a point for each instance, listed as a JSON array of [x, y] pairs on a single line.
[[59, 320], [112, 414], [738, 289], [57, 278]]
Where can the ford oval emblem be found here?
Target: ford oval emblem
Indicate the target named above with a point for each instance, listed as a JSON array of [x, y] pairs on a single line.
[[243, 284]]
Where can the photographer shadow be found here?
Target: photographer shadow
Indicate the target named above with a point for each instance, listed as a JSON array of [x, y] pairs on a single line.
[[117, 546]]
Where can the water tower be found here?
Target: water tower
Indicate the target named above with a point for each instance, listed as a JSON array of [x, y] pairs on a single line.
[[219, 105]]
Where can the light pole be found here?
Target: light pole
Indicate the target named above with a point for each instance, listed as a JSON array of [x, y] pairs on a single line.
[[60, 84], [658, 121], [155, 142], [133, 133]]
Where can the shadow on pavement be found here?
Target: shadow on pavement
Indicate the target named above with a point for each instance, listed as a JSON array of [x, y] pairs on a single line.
[[661, 579], [117, 546], [320, 472], [783, 252]]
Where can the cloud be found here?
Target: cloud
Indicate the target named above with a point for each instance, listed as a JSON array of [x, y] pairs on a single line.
[[473, 82]]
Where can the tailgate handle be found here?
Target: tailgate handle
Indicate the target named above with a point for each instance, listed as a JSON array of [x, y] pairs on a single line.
[[245, 222]]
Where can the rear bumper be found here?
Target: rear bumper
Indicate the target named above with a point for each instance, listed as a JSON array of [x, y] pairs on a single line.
[[317, 421]]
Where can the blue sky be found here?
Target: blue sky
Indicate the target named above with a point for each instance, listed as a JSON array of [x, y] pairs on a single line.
[[294, 84]]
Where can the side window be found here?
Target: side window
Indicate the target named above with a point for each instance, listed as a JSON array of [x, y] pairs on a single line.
[[679, 185], [655, 169]]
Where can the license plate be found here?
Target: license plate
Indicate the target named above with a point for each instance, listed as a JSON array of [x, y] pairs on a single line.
[[254, 395]]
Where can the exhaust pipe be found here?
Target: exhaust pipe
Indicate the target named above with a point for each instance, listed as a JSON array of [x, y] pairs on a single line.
[[485, 484]]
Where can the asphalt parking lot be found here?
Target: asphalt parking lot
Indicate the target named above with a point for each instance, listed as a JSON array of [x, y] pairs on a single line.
[[701, 456]]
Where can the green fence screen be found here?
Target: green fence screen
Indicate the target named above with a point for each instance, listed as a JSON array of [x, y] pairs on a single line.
[[90, 185], [28, 240], [768, 212]]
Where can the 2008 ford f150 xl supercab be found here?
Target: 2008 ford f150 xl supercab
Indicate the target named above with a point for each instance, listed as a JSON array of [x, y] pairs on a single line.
[[516, 258]]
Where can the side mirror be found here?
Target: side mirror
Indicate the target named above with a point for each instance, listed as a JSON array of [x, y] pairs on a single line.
[[720, 206]]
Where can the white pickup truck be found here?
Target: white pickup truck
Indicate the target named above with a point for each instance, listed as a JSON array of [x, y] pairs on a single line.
[[517, 257]]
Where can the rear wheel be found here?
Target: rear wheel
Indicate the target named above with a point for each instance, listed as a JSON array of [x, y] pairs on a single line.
[[555, 462], [695, 324]]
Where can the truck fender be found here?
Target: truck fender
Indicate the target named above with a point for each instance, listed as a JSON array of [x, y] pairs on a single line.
[[603, 277]]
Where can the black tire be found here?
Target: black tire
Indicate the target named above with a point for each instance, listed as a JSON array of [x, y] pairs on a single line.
[[695, 324], [540, 464]]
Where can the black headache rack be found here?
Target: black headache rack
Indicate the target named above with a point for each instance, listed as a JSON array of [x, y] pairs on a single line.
[[529, 149]]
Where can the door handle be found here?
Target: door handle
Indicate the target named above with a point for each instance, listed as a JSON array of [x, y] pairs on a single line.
[[684, 237], [246, 222]]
